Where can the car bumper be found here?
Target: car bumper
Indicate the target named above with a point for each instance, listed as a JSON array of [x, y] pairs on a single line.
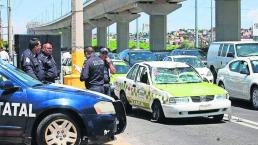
[[196, 109], [102, 127]]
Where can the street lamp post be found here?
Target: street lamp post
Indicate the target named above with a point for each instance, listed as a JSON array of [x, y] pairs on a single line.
[[10, 36], [196, 24]]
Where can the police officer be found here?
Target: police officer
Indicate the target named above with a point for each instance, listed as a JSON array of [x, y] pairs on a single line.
[[49, 66], [93, 71], [109, 68], [30, 62]]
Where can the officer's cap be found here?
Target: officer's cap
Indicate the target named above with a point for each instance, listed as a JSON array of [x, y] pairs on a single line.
[[104, 50]]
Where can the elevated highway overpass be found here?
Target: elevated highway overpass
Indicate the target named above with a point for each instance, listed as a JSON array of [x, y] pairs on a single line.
[[102, 13]]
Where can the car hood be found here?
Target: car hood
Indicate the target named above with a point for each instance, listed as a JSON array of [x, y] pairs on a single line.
[[202, 71], [67, 91], [191, 89]]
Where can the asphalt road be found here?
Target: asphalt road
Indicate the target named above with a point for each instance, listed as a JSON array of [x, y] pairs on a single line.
[[241, 130]]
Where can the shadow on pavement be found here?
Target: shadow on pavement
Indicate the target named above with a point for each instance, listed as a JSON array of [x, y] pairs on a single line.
[[141, 114], [241, 103]]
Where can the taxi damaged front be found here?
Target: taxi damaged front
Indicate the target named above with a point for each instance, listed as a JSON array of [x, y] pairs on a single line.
[[175, 88]]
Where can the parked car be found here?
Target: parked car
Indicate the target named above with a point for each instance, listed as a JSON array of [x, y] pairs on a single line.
[[161, 55], [194, 62], [193, 52], [133, 56], [40, 114], [240, 79], [67, 66], [171, 89], [220, 53]]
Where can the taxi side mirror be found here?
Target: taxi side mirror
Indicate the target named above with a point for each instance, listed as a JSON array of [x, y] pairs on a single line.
[[8, 87]]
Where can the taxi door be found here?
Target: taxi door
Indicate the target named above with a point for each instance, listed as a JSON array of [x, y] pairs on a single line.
[[142, 88], [129, 83], [13, 109]]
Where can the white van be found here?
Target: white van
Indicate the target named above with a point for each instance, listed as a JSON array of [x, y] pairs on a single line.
[[220, 53]]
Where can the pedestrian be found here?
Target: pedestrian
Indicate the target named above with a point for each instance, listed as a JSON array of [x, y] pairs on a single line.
[[4, 55], [93, 71], [30, 62], [51, 71], [108, 69]]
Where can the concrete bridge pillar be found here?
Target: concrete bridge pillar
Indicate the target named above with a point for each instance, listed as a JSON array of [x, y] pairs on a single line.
[[88, 34], [66, 38], [123, 20], [158, 22], [101, 25], [228, 20]]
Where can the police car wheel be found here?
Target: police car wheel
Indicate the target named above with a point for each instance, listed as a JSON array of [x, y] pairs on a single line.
[[124, 100], [157, 112], [58, 129]]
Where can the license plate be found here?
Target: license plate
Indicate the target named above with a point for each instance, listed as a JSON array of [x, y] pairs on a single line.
[[205, 107]]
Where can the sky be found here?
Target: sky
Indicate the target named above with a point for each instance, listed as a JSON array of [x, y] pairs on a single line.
[[24, 11]]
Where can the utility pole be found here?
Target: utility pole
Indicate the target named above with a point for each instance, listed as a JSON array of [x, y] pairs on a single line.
[[211, 22], [137, 34], [196, 25], [61, 8], [1, 27], [10, 35]]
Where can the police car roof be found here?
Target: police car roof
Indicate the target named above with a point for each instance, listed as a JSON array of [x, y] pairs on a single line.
[[164, 64]]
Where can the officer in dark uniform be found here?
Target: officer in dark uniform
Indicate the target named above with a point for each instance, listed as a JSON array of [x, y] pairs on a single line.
[[108, 68], [49, 66], [30, 62], [93, 71]]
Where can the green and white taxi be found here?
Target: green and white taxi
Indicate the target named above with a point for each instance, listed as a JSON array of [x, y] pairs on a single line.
[[171, 90]]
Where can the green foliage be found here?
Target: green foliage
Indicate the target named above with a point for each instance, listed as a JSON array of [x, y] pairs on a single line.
[[132, 45], [186, 44]]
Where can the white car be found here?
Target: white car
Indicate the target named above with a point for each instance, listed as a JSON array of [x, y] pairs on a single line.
[[240, 78], [172, 90], [194, 62]]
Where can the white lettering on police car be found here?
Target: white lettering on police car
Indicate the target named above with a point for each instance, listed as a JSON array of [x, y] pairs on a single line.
[[16, 109], [7, 109], [23, 110]]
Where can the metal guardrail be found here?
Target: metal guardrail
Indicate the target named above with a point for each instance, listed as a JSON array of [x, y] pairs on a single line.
[[85, 3]]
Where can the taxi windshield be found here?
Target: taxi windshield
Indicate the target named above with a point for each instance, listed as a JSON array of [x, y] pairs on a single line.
[[175, 75], [28, 80]]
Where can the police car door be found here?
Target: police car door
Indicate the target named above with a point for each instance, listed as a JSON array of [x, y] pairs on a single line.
[[142, 87], [13, 109]]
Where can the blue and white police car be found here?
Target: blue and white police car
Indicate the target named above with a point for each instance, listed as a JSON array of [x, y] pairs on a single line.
[[50, 114]]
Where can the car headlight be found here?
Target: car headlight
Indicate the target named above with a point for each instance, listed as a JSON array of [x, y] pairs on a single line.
[[174, 100], [222, 97], [104, 108]]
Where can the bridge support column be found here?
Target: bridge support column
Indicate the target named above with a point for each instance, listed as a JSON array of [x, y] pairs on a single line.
[[66, 38], [123, 20], [158, 12], [228, 20], [77, 44], [88, 34], [102, 36]]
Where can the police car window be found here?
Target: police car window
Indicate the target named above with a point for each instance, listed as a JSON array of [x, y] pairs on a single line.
[[234, 66], [224, 50], [3, 78]]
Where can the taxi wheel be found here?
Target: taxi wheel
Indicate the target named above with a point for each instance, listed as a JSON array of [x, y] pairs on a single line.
[[157, 112], [218, 118], [128, 107], [58, 129], [254, 97]]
